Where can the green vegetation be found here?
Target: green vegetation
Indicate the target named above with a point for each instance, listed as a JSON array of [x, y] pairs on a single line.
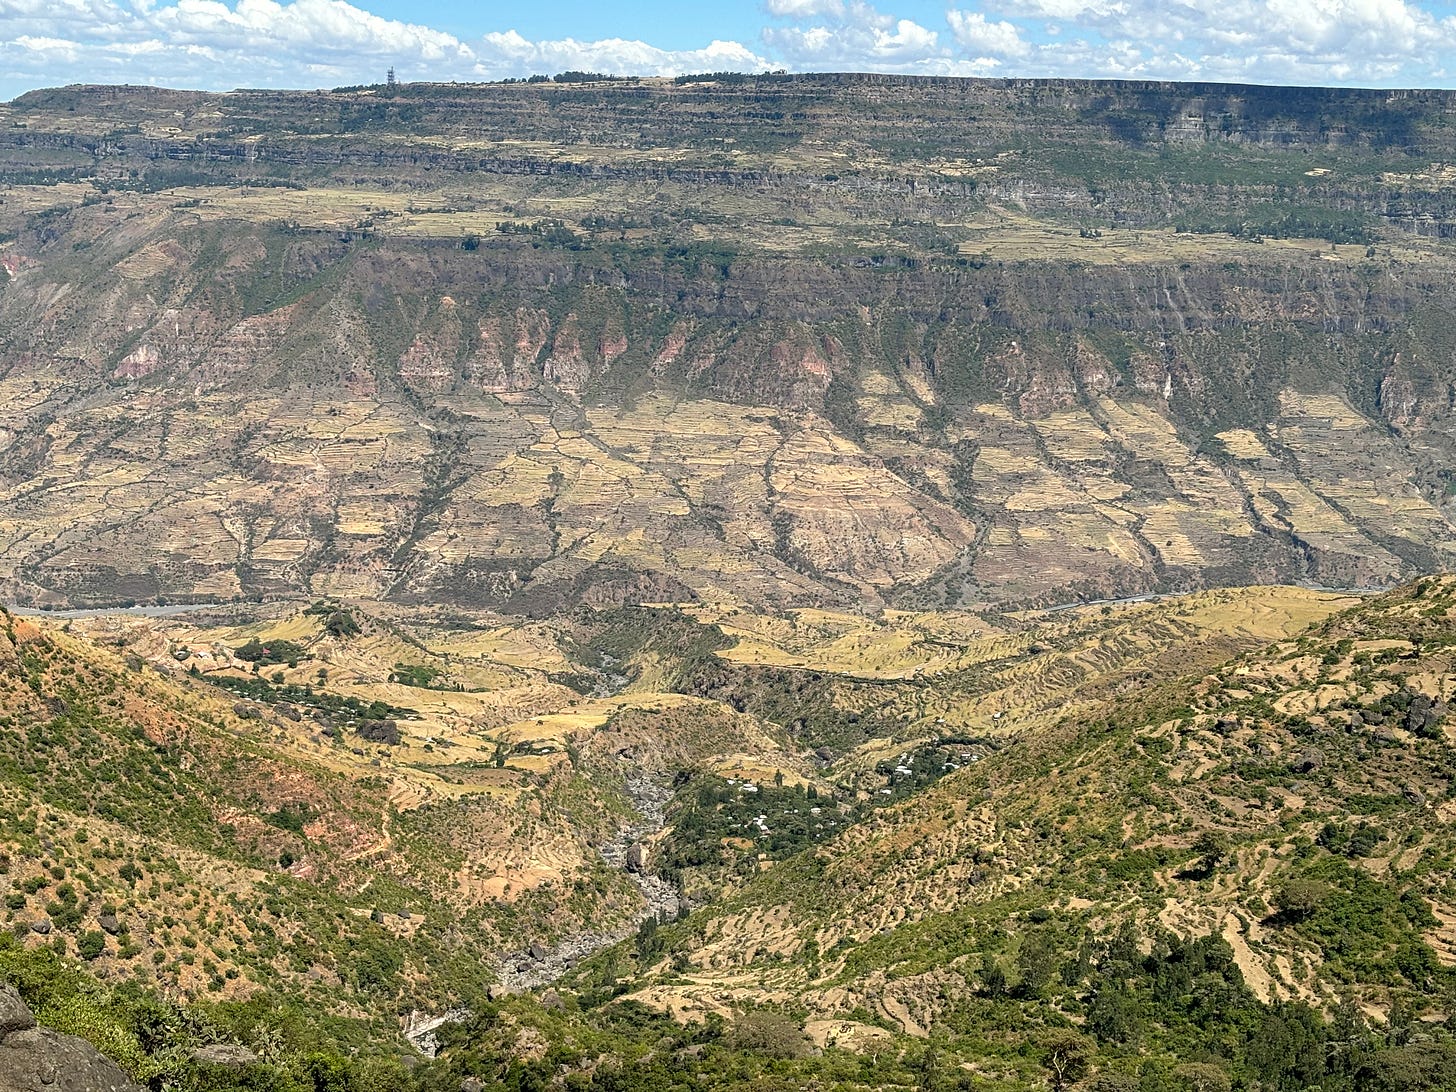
[[421, 675], [338, 621], [1063, 1004], [542, 233], [718, 826], [274, 652], [320, 702], [1045, 861], [1282, 222], [154, 1039], [1179, 1019]]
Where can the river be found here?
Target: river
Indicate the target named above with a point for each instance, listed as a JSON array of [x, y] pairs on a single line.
[[166, 611]]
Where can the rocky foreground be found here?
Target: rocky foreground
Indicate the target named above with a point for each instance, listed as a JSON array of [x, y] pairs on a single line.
[[36, 1059]]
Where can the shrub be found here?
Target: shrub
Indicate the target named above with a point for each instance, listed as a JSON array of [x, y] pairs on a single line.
[[91, 944], [768, 1033]]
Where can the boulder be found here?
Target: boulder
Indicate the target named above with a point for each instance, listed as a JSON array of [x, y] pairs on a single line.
[[14, 1013], [636, 857], [1424, 715], [1416, 711], [225, 1054], [110, 923], [34, 1059], [1309, 760]]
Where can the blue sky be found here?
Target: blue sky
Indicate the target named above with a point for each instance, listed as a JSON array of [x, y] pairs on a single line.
[[221, 44]]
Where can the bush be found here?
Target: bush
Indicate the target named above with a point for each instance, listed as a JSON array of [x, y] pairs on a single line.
[[91, 944], [768, 1033], [274, 652]]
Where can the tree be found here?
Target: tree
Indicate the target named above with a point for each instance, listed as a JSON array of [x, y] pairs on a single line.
[[1409, 1068], [1036, 962], [1204, 1077], [994, 978], [1212, 848], [768, 1033], [1067, 1055], [1300, 897], [1112, 1015], [342, 624]]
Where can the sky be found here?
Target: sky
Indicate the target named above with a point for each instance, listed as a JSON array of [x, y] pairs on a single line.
[[223, 44]]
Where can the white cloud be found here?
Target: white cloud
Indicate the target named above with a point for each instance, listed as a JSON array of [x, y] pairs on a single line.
[[511, 54], [301, 27], [908, 40], [976, 33], [51, 18], [851, 36], [305, 43], [301, 43], [805, 9], [1269, 40], [59, 48]]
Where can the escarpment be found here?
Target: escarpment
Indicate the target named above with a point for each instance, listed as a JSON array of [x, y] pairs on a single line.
[[767, 340]]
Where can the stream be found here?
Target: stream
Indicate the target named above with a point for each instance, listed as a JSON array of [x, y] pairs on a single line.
[[539, 964]]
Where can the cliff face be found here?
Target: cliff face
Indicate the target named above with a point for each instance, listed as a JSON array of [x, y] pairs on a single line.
[[951, 369], [1128, 152]]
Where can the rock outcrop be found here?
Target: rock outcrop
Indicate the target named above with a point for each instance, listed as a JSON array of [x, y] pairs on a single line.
[[36, 1059]]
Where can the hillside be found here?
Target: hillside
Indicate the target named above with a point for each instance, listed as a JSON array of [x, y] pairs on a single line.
[[1294, 805], [807, 342], [1242, 879], [972, 896], [820, 582]]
